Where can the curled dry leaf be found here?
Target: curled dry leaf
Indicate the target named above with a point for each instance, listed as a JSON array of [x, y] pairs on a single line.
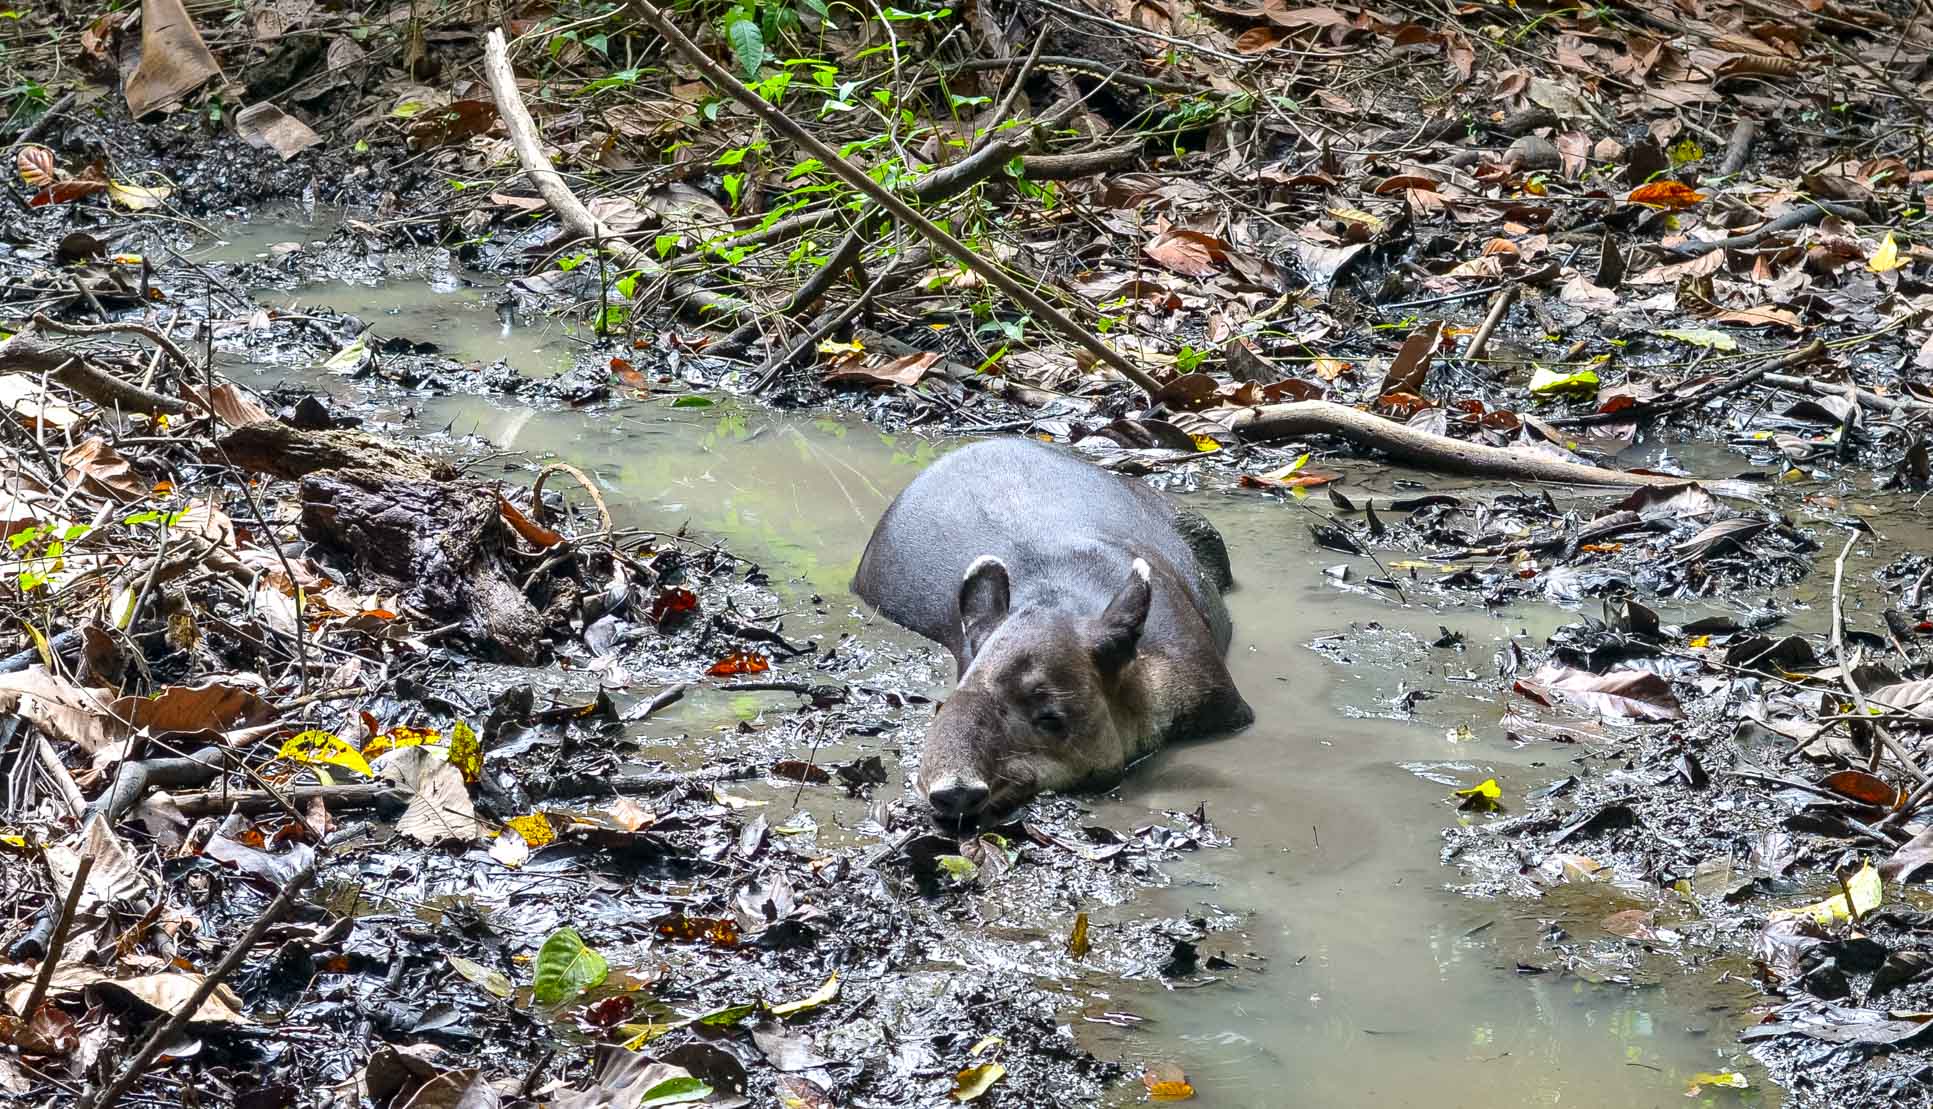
[[36, 166]]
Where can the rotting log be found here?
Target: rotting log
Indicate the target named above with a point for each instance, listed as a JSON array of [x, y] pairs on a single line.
[[440, 544], [1423, 449], [274, 448]]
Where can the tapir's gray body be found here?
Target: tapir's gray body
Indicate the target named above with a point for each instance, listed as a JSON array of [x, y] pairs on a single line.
[[1068, 536]]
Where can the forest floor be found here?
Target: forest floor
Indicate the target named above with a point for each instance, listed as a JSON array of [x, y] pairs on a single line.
[[314, 721]]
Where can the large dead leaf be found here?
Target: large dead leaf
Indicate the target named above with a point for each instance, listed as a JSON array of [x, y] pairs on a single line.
[[213, 706], [174, 59], [166, 991], [99, 469], [1190, 253], [61, 709], [266, 126], [1630, 694], [440, 811], [1412, 362]]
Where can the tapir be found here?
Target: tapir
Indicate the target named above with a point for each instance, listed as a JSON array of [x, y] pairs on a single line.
[[1082, 608]]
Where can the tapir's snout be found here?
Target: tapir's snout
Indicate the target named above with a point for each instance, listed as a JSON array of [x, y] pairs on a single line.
[[958, 800]]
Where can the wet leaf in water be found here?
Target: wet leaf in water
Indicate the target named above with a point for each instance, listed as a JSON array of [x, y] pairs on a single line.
[[1166, 1082], [1633, 694], [671, 602], [1077, 945], [739, 662], [796, 1092], [817, 998], [1868, 892], [799, 770], [611, 1011], [493, 982], [317, 747], [1486, 796], [1700, 1082], [566, 967], [976, 1080]]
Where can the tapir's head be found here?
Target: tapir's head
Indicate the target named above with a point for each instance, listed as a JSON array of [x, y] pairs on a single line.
[[1042, 703]]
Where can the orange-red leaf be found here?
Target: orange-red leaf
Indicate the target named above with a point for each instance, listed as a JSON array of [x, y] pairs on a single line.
[[1675, 195]]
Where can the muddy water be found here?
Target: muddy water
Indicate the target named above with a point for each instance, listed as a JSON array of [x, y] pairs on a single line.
[[1377, 987]]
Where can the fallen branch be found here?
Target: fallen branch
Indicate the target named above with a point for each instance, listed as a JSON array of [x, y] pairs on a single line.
[[58, 942], [576, 218], [884, 197], [27, 353], [1851, 683], [1866, 397], [1739, 149], [1422, 448], [1806, 215], [1643, 410], [175, 354]]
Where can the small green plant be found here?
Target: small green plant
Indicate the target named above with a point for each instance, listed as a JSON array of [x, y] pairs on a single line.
[[1190, 359]]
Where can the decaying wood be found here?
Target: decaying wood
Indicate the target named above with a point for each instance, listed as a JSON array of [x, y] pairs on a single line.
[[1421, 448], [274, 448], [440, 544]]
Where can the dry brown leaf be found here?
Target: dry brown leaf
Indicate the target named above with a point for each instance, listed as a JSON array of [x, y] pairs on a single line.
[[266, 126]]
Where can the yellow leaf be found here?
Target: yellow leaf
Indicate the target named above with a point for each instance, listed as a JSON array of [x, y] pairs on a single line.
[[1699, 641], [813, 1000], [642, 1034], [15, 840], [1867, 893], [1730, 1078], [1887, 257], [1205, 443], [137, 198], [1547, 382], [318, 747], [833, 346], [1166, 1082], [1077, 938], [535, 829], [1488, 789], [976, 1080], [402, 735], [1357, 215], [466, 754]]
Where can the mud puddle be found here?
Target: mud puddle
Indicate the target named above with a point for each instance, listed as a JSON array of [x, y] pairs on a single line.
[[1356, 976]]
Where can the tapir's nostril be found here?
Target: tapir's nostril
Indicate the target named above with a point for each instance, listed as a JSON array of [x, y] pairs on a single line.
[[958, 798]]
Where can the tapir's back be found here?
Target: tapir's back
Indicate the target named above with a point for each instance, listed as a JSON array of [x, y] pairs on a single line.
[[1040, 511]]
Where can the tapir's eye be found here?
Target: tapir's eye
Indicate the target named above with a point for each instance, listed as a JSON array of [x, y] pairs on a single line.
[[1051, 722]]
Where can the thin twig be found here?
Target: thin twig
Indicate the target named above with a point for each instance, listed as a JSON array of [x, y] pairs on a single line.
[[58, 940], [165, 1032]]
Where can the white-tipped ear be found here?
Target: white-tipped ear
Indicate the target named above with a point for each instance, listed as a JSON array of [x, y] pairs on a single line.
[[980, 566], [983, 601], [1120, 625], [1142, 570]]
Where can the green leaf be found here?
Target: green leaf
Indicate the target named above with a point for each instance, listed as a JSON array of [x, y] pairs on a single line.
[[566, 967], [748, 44], [675, 1091], [958, 867], [1550, 383], [729, 1015], [692, 400], [1702, 337]]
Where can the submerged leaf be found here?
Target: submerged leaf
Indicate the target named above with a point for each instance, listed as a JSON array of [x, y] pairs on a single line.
[[1166, 1082], [1868, 892]]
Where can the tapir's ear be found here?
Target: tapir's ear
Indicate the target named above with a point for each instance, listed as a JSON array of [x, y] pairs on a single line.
[[983, 600], [1122, 622]]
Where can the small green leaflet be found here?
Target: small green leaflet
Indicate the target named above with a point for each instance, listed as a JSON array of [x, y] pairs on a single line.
[[1702, 337], [692, 400], [675, 1091], [1550, 383], [566, 967], [729, 1015], [959, 867], [494, 982]]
